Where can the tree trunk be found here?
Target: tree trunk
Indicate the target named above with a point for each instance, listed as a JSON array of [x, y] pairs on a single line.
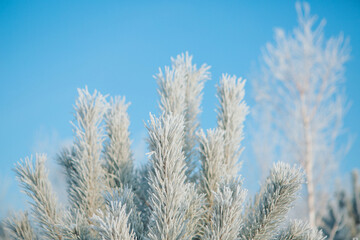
[[308, 165], [310, 190]]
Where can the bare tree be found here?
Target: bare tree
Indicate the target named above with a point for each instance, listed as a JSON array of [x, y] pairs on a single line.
[[300, 100]]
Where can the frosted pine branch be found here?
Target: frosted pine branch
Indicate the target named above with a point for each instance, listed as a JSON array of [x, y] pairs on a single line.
[[33, 178], [168, 200], [231, 116], [180, 90], [18, 226], [65, 159], [117, 150], [127, 198], [298, 230], [113, 223], [196, 212], [87, 181], [226, 213], [274, 201], [211, 147], [76, 225], [142, 193]]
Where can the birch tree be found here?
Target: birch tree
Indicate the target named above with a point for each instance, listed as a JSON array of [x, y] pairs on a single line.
[[300, 101]]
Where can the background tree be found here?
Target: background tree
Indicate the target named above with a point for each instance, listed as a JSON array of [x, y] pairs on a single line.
[[301, 102], [342, 218]]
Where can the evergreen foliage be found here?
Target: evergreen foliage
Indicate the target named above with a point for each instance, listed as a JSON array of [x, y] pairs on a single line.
[[342, 218], [19, 227], [298, 230], [189, 189]]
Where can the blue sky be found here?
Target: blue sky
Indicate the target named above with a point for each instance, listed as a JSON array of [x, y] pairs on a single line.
[[48, 49]]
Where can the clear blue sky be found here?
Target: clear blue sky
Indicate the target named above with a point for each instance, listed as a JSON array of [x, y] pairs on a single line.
[[48, 49]]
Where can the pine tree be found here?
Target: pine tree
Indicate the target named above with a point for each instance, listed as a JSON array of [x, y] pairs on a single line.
[[189, 189]]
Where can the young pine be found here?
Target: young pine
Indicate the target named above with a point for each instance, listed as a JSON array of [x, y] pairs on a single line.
[[189, 189]]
